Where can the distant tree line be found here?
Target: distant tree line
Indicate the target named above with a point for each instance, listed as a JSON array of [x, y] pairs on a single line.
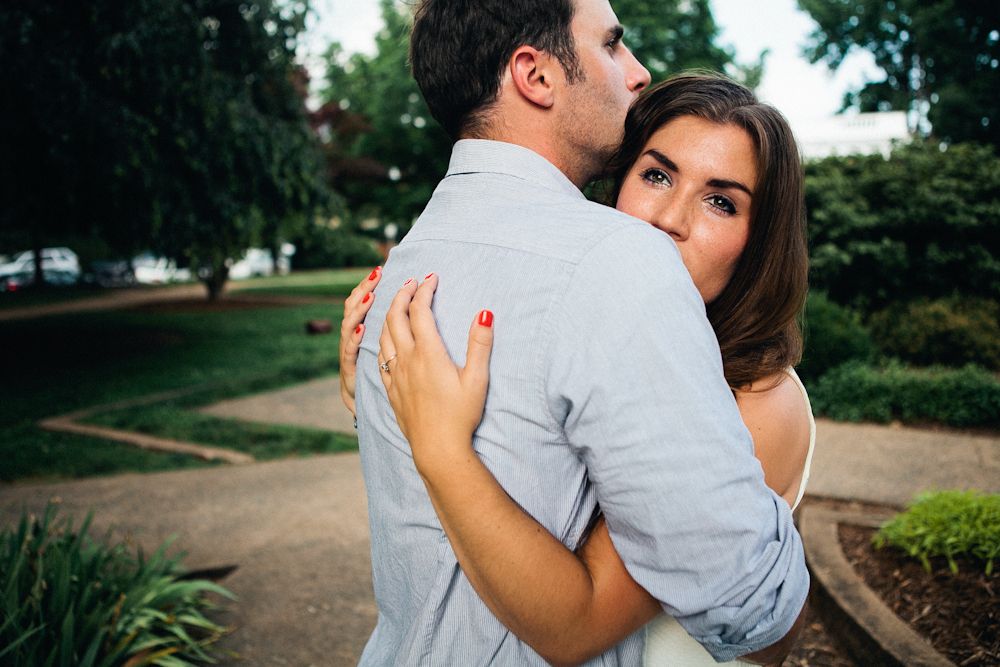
[[172, 125]]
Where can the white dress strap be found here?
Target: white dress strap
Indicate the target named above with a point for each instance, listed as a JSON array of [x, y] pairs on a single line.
[[812, 436]]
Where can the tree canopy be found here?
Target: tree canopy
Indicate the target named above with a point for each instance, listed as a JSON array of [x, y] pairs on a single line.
[[941, 59], [177, 125], [668, 37]]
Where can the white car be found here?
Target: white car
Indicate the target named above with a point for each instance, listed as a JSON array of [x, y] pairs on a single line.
[[60, 266], [152, 270], [258, 262]]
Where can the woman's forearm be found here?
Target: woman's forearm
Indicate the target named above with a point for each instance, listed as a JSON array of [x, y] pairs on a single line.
[[567, 607]]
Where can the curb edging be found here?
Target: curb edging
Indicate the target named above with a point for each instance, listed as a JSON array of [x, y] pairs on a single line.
[[870, 631], [69, 423]]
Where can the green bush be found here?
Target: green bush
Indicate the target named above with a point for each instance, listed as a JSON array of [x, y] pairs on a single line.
[[68, 600], [953, 331], [948, 524], [921, 224], [833, 336], [968, 396], [325, 248]]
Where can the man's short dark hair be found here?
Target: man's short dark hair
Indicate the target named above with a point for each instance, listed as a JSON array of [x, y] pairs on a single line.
[[459, 49]]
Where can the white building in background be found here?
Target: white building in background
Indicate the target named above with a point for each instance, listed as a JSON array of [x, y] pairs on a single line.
[[855, 134]]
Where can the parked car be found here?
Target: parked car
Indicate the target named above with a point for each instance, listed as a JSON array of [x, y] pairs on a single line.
[[259, 262], [152, 270], [111, 273], [60, 266]]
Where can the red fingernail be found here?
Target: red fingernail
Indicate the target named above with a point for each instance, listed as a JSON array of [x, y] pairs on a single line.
[[358, 329], [374, 274], [408, 282], [485, 318], [367, 298], [428, 275]]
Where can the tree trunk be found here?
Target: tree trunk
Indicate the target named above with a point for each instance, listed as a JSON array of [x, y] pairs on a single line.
[[216, 281], [36, 251]]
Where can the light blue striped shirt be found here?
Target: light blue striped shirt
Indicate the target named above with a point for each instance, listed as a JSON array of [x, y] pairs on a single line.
[[606, 388]]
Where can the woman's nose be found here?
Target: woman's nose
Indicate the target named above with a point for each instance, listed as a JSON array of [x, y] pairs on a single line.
[[673, 221]]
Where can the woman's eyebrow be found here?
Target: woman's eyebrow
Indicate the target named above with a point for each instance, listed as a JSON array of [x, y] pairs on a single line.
[[729, 185], [715, 182], [662, 159]]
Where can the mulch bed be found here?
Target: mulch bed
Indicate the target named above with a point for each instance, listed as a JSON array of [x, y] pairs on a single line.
[[816, 648], [959, 614]]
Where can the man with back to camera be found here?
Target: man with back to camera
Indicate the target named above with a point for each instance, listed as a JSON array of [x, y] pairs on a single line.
[[536, 92]]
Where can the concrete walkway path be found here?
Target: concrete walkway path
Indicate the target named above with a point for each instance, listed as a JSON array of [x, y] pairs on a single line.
[[297, 529], [886, 465]]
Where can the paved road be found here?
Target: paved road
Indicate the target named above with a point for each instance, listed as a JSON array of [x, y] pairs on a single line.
[[297, 528]]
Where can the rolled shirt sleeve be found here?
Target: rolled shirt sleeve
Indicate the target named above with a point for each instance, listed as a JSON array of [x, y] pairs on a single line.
[[635, 377]]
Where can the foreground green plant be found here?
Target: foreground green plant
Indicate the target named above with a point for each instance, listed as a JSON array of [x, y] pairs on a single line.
[[69, 600], [948, 524]]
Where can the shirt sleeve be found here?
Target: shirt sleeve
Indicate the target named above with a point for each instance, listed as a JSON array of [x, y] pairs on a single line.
[[635, 379]]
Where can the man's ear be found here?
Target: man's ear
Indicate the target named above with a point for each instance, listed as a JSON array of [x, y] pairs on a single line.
[[533, 73]]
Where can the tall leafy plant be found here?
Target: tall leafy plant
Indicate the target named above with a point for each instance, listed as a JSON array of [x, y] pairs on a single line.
[[67, 599]]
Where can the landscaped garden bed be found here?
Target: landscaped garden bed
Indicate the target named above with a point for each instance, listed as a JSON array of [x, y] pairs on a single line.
[[922, 590], [958, 613]]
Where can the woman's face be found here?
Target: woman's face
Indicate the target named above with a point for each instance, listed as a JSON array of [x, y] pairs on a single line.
[[695, 180]]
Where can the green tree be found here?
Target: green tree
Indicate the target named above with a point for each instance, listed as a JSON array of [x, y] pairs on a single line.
[[171, 124], [391, 163], [675, 35], [941, 59]]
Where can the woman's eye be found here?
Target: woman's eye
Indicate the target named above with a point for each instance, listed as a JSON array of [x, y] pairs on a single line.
[[656, 176], [722, 203]]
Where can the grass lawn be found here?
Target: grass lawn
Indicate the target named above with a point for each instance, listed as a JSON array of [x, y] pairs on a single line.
[[334, 284], [57, 364], [30, 296]]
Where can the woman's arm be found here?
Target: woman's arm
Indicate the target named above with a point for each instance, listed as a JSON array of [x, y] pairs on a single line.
[[566, 606]]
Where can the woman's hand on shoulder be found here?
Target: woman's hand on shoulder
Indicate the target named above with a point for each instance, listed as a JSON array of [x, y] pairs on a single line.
[[777, 417], [437, 404], [352, 330]]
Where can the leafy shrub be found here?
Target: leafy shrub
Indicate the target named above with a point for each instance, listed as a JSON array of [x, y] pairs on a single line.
[[921, 224], [953, 331], [968, 396], [325, 248], [68, 600], [833, 336], [948, 524]]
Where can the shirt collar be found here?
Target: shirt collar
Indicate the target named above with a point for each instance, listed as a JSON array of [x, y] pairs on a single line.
[[471, 156]]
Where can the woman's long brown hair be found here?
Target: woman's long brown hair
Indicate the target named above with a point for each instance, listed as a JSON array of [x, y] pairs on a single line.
[[756, 316]]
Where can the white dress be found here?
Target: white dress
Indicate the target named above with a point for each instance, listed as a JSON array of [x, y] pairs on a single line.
[[667, 643]]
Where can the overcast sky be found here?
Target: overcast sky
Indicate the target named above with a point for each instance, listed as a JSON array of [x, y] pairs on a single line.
[[801, 91]]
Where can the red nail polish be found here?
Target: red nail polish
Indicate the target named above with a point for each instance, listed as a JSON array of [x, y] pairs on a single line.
[[408, 282], [374, 274], [485, 318], [428, 275], [367, 298], [358, 329]]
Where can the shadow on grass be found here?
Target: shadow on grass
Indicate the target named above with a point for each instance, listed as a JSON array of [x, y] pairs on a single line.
[[55, 365]]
